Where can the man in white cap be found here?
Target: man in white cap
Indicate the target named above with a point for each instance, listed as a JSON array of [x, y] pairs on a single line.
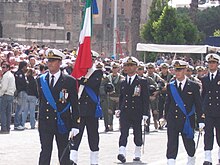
[[211, 103], [58, 110], [133, 106], [183, 102]]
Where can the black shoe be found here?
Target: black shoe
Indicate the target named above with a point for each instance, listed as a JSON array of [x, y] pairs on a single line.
[[72, 162], [207, 163], [137, 159], [121, 158]]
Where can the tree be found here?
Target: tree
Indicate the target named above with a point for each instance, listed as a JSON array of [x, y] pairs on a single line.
[[135, 25], [208, 20], [171, 28], [155, 12]]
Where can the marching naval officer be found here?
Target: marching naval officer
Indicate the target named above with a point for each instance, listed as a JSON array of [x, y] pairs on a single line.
[[89, 112], [134, 106], [58, 112], [211, 104], [182, 103]]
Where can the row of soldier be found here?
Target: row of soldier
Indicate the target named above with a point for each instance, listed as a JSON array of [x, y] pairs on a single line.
[[132, 89]]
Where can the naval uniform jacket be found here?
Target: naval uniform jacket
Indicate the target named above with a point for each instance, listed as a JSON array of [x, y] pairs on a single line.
[[211, 95], [47, 115], [87, 107], [190, 96], [134, 107]]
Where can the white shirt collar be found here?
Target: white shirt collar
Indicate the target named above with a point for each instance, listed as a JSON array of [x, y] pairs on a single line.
[[214, 74], [132, 78], [183, 82], [56, 76]]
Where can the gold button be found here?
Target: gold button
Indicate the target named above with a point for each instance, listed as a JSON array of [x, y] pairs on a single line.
[[216, 97], [85, 102], [126, 106], [133, 101], [47, 102], [217, 103], [216, 91], [176, 110], [47, 110], [210, 104], [55, 111], [176, 117], [210, 98], [55, 118], [126, 101], [47, 117], [126, 95], [176, 105], [132, 107], [184, 105], [184, 117], [209, 91], [78, 102]]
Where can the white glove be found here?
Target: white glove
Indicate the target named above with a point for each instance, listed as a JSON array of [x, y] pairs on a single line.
[[73, 132], [117, 113], [201, 126], [145, 117]]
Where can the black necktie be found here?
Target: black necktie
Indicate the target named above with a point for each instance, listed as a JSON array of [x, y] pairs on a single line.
[[52, 81], [129, 82], [212, 77], [180, 89]]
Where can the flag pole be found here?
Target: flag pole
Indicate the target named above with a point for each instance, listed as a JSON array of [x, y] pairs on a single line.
[[115, 29]]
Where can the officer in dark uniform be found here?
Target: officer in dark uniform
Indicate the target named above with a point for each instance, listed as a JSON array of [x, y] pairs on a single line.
[[211, 104], [89, 112], [183, 102], [134, 106], [58, 112]]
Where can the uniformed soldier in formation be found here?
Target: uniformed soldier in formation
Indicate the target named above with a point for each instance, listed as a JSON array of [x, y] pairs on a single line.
[[89, 112], [200, 72], [153, 90], [166, 76], [154, 99], [133, 106], [58, 111], [211, 104], [183, 102], [115, 79]]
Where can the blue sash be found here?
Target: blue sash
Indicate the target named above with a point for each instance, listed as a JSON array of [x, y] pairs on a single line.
[[96, 100], [47, 93], [178, 100]]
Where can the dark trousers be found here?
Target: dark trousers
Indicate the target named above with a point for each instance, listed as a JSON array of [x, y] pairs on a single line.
[[161, 103], [91, 124], [46, 139], [125, 124], [210, 124], [173, 143]]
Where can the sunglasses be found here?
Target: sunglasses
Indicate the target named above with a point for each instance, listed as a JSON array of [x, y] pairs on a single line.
[[3, 67]]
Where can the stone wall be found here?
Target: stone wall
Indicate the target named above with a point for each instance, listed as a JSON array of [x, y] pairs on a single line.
[[54, 23]]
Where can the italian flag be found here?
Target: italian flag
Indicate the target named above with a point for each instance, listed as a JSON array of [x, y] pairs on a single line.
[[84, 58]]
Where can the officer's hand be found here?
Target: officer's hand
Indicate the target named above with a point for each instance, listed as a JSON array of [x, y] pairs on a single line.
[[73, 132], [117, 113], [201, 126], [145, 118]]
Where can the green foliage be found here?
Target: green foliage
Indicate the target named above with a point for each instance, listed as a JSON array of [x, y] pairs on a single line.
[[171, 27], [217, 33], [207, 20]]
